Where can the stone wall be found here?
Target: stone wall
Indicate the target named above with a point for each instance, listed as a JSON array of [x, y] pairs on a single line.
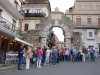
[[33, 37]]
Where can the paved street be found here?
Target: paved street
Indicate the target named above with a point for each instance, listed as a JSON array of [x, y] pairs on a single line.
[[74, 68]]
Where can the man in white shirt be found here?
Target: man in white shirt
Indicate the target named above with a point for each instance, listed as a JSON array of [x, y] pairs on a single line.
[[66, 54], [81, 54], [47, 56]]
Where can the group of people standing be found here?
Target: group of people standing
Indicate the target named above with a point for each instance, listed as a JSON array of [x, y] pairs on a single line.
[[46, 55], [23, 54]]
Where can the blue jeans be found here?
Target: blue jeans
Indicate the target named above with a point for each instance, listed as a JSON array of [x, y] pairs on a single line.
[[78, 57], [23, 59], [20, 62], [67, 57], [58, 59], [92, 57], [81, 58], [54, 59]]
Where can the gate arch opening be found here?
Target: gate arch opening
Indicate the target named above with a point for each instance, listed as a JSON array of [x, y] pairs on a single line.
[[55, 37]]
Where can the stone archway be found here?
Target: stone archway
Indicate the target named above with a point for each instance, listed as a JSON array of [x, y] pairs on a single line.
[[57, 19]]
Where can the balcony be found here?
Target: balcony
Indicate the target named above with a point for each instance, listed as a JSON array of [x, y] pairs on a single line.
[[35, 15], [85, 25], [8, 28]]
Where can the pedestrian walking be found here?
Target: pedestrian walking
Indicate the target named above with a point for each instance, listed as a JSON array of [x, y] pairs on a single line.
[[58, 56], [47, 56], [54, 56], [24, 55], [20, 56], [39, 54], [63, 54], [66, 54], [92, 51], [71, 55], [28, 57], [83, 57], [44, 54], [74, 54], [81, 54]]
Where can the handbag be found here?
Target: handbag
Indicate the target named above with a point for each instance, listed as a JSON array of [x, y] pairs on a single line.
[[30, 55], [89, 57], [34, 59]]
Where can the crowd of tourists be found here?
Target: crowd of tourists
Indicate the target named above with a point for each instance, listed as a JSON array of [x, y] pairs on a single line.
[[45, 56]]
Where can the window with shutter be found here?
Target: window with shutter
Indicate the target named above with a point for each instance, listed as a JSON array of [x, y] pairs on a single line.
[[98, 21], [78, 21], [88, 20], [26, 27]]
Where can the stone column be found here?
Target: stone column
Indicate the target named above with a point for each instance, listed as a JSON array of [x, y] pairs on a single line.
[[43, 42], [67, 39], [67, 43]]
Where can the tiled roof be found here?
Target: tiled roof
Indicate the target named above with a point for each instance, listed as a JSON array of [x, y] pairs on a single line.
[[38, 1]]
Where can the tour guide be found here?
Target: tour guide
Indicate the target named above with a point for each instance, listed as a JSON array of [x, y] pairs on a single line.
[[20, 56]]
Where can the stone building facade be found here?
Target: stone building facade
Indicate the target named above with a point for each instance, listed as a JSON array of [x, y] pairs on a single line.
[[86, 16], [34, 11], [39, 20], [55, 19]]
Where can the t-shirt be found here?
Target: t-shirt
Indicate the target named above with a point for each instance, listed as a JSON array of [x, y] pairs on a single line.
[[81, 52], [74, 51], [39, 53], [19, 52], [44, 52], [92, 51], [48, 53], [54, 52], [63, 52], [66, 52]]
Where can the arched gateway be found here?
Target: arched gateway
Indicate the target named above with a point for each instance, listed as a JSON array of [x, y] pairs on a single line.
[[39, 36], [57, 19]]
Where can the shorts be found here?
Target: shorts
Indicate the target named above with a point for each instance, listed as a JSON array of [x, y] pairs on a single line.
[[39, 57]]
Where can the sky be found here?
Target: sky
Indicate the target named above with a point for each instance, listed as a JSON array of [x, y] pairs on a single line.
[[59, 33], [63, 5]]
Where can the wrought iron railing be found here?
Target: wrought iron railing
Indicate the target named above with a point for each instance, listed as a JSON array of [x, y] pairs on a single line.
[[88, 24], [34, 14], [8, 26]]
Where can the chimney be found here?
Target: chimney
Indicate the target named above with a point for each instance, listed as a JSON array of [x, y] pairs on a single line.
[[70, 10]]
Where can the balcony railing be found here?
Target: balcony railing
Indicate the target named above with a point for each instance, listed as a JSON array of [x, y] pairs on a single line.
[[88, 25], [34, 14], [8, 26]]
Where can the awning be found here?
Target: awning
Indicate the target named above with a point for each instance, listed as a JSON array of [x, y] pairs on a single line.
[[22, 41], [9, 33]]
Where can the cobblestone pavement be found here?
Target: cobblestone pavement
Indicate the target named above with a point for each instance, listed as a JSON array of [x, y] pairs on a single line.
[[64, 68]]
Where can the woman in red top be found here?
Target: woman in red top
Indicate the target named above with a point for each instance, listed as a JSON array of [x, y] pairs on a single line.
[[39, 54], [63, 54]]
